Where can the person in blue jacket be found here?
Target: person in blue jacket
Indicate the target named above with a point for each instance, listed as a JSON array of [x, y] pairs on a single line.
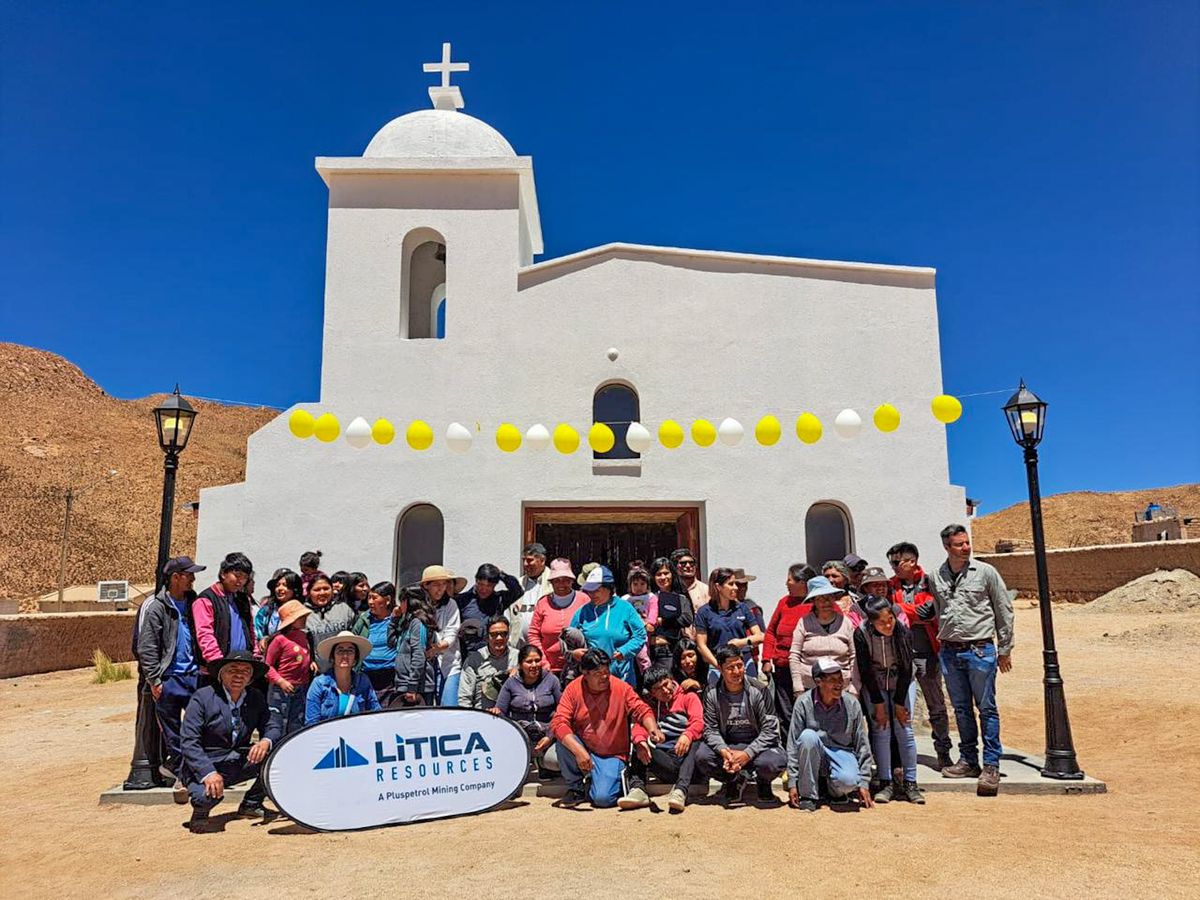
[[344, 690], [610, 623]]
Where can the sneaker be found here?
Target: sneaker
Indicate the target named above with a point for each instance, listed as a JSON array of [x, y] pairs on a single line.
[[806, 805], [179, 793], [961, 769], [731, 793], [989, 782], [637, 798], [885, 793], [766, 796], [248, 809], [943, 761], [913, 794], [677, 800], [572, 798]]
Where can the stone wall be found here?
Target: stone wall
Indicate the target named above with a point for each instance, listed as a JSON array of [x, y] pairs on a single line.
[[1079, 574], [48, 643]]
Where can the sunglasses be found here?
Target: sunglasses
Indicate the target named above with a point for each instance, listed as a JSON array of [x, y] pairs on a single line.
[[497, 634], [687, 564]]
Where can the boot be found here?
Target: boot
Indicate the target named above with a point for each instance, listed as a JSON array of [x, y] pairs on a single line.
[[943, 761], [885, 794], [989, 782], [913, 794], [961, 769]]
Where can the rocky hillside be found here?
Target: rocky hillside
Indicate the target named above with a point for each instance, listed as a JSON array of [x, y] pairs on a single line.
[[61, 429], [1082, 518]]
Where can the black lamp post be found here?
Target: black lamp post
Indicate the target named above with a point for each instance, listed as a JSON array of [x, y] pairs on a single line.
[[173, 418], [1026, 414]]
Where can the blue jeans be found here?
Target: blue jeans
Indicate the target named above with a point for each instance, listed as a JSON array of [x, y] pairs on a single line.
[[810, 758], [971, 680], [608, 774], [289, 708], [881, 739], [449, 696]]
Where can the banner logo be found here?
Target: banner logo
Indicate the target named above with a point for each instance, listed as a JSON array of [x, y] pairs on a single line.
[[341, 757]]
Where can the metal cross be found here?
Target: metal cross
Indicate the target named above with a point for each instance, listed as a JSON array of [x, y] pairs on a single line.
[[445, 66]]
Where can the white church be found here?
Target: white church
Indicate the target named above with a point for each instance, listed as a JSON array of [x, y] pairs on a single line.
[[436, 308]]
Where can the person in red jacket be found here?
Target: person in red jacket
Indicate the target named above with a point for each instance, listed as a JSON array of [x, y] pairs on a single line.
[[680, 716], [792, 607], [591, 726], [908, 590]]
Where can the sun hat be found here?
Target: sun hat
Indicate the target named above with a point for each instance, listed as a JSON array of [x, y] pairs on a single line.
[[873, 575], [441, 573], [240, 656], [597, 578], [820, 587], [824, 666], [741, 576], [586, 571], [561, 568], [325, 648], [290, 612]]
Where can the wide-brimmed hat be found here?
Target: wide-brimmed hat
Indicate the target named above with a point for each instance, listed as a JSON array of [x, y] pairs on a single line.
[[740, 575], [242, 656], [561, 568], [441, 573], [599, 577], [325, 648], [290, 612], [820, 586], [585, 571], [873, 575]]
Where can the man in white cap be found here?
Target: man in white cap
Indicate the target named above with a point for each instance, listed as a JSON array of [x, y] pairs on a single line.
[[828, 738]]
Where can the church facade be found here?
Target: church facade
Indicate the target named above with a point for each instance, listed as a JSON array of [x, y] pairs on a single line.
[[435, 309]]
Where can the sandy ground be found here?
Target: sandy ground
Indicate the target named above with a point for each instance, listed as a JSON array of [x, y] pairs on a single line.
[[1136, 724]]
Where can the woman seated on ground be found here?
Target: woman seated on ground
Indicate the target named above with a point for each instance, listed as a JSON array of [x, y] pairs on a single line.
[[726, 622], [883, 649], [529, 697], [688, 667], [343, 690], [380, 663], [823, 633]]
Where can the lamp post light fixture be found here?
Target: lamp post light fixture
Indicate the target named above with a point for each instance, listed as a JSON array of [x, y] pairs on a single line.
[[173, 418], [1026, 413]]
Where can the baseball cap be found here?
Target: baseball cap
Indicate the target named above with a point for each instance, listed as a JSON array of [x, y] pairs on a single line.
[[182, 564], [854, 561], [824, 666]]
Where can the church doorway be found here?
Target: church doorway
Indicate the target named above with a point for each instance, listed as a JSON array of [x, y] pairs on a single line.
[[613, 535]]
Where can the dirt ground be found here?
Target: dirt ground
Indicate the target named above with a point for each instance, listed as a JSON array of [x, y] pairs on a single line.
[[1133, 708]]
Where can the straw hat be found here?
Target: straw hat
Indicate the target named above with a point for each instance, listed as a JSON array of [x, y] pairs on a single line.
[[441, 573], [325, 648], [290, 612]]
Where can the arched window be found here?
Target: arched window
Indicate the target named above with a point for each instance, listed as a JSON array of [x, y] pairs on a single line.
[[827, 533], [616, 405], [420, 533], [423, 284], [439, 311]]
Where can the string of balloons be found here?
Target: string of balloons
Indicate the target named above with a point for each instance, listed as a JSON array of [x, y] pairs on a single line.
[[566, 439]]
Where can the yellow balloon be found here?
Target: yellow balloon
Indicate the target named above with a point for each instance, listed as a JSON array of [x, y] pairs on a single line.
[[946, 409], [301, 423], [508, 437], [670, 434], [601, 438], [383, 431], [326, 428], [704, 432], [566, 438], [768, 431], [808, 428], [887, 417], [419, 435]]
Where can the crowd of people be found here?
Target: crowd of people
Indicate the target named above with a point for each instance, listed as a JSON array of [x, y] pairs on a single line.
[[681, 679]]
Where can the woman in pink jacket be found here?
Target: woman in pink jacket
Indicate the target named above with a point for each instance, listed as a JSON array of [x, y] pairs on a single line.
[[553, 613]]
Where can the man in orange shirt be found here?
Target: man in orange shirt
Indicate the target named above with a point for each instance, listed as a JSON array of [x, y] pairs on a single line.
[[591, 726]]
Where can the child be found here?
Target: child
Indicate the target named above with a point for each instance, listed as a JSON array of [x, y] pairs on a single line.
[[646, 605], [288, 655], [883, 650]]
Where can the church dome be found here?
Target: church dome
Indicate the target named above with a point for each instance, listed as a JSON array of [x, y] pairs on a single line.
[[437, 133]]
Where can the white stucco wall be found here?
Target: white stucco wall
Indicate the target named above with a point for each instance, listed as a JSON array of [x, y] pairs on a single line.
[[699, 336]]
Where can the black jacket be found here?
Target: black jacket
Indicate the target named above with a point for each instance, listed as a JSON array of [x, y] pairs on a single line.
[[221, 605], [159, 634], [207, 735], [901, 646]]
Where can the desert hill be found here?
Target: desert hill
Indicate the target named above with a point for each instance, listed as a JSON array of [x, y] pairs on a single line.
[[61, 429], [1082, 518]]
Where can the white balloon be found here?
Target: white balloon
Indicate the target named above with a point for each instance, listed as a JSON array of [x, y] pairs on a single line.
[[358, 433], [537, 437], [458, 437], [731, 432], [848, 423], [637, 438]]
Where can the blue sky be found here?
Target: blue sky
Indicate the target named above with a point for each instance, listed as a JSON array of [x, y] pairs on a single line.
[[1044, 157]]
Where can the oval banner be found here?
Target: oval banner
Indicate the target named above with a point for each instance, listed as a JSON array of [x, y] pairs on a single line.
[[397, 766]]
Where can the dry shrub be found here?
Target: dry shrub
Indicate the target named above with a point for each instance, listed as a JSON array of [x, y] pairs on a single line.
[[107, 670]]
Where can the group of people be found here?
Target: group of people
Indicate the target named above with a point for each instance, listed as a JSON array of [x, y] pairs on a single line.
[[680, 678]]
